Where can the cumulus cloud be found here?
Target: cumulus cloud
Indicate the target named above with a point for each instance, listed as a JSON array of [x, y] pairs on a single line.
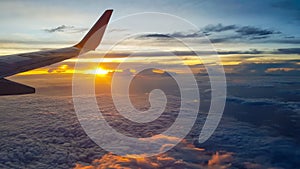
[[45, 133], [44, 137], [197, 158], [113, 161], [220, 159]]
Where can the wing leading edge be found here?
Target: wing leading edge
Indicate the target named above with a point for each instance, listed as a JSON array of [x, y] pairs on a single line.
[[13, 64]]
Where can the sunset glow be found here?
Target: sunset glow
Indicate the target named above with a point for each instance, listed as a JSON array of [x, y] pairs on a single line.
[[101, 71]]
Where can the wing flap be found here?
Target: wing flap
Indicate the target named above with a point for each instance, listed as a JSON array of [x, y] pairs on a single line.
[[8, 87]]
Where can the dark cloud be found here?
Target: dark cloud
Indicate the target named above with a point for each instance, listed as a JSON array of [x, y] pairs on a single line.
[[223, 39], [61, 28], [245, 33], [258, 33], [219, 28], [186, 35], [237, 34], [238, 38], [155, 35], [64, 28], [250, 30], [288, 51], [173, 35], [285, 41], [252, 51], [259, 37]]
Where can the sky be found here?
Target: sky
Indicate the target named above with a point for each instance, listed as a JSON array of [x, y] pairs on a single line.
[[242, 32]]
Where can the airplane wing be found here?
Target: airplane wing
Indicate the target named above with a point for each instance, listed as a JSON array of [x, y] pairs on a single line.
[[13, 64]]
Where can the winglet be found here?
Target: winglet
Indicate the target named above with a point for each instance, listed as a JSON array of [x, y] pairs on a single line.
[[92, 40]]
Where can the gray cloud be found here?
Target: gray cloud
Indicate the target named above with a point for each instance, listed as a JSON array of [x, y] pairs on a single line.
[[288, 51], [155, 35], [241, 30], [61, 28], [237, 34], [219, 28], [252, 51], [250, 30], [285, 41], [64, 28], [173, 35]]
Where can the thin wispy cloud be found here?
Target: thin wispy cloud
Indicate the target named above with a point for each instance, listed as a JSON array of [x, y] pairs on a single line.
[[250, 30], [218, 28], [67, 29], [216, 33], [288, 51]]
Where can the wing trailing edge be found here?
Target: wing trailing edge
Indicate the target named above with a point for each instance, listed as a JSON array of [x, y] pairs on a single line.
[[13, 88]]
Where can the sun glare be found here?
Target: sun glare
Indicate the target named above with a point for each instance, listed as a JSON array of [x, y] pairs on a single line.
[[101, 71]]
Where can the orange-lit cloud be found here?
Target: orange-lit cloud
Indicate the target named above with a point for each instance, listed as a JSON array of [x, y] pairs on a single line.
[[283, 69], [194, 158], [219, 159]]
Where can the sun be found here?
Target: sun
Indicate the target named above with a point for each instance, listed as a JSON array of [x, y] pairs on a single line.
[[101, 71]]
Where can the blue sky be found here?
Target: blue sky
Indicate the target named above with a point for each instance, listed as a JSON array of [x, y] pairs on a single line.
[[31, 17], [268, 30], [274, 13], [280, 15]]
